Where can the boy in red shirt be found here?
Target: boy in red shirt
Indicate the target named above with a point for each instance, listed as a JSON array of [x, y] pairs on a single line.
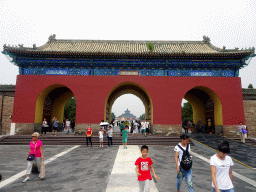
[[143, 164], [89, 135]]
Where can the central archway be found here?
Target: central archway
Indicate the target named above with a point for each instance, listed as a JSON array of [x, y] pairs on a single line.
[[132, 88]]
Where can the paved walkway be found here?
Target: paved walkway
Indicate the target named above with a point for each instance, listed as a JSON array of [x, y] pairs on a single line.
[[123, 176], [82, 168], [240, 151]]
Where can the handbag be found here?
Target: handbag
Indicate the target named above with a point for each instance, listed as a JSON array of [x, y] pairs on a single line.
[[244, 131], [31, 157], [42, 170]]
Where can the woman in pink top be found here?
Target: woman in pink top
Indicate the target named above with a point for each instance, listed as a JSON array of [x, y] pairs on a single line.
[[36, 148]]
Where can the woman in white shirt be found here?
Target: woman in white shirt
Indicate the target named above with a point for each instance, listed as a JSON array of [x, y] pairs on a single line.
[[222, 176]]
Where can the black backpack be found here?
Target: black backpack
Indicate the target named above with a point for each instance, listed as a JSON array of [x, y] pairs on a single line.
[[186, 160]]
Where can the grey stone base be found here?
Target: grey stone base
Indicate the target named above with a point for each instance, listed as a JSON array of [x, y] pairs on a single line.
[[24, 128], [167, 130], [81, 129], [230, 131], [218, 129]]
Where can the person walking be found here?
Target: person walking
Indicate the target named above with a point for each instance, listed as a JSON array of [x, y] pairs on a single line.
[[44, 126], [135, 130], [143, 128], [147, 127], [242, 130], [179, 149], [125, 137], [67, 126], [35, 152], [73, 126], [89, 135], [187, 127], [110, 135], [121, 128], [55, 126], [101, 136], [143, 165], [222, 176], [139, 126]]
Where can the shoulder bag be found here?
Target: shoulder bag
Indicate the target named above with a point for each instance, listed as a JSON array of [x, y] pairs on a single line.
[[31, 157]]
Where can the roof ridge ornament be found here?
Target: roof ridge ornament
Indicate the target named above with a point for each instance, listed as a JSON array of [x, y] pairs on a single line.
[[52, 37], [206, 39]]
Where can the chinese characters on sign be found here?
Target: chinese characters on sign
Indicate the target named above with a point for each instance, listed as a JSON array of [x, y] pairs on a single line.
[[129, 73]]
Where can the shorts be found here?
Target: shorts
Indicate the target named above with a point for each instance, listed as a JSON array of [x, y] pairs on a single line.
[[101, 139], [55, 128], [143, 130], [124, 140]]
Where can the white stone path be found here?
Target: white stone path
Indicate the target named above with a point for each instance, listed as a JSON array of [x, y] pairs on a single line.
[[123, 176]]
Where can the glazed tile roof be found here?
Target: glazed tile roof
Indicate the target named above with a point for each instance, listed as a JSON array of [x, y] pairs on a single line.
[[127, 47], [249, 91], [7, 88]]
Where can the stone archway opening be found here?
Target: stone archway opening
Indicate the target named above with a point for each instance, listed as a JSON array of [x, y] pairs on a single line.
[[128, 88], [207, 110], [50, 103], [128, 107]]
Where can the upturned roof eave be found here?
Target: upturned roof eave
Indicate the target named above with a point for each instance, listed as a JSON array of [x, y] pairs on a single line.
[[26, 51]]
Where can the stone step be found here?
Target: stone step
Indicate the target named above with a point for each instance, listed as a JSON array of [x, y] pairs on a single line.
[[81, 140]]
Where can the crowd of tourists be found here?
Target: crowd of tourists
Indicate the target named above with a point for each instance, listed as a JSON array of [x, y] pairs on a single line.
[[136, 127], [55, 126], [220, 163]]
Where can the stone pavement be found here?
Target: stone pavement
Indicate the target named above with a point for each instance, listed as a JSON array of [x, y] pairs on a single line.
[[96, 169], [243, 152], [123, 176]]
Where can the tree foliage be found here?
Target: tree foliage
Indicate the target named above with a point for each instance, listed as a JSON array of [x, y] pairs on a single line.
[[142, 117], [187, 112], [113, 116], [151, 46], [70, 109], [250, 86]]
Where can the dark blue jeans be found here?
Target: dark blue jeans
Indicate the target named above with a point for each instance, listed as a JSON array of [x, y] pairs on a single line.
[[89, 139], [228, 190], [188, 176], [109, 141]]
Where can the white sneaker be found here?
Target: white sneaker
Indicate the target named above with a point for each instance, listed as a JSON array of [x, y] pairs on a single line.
[[26, 180], [39, 175]]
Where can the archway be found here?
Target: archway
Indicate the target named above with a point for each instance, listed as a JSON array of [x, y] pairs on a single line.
[[128, 107], [125, 88], [206, 105], [50, 103]]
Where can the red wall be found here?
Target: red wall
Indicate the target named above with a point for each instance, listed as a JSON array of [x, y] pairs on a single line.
[[91, 93]]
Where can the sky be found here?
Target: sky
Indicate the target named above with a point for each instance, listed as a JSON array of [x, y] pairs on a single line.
[[226, 23]]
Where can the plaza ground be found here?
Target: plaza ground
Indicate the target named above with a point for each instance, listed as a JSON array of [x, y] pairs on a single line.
[[91, 169]]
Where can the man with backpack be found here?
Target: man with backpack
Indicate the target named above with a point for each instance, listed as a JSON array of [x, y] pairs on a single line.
[[183, 163]]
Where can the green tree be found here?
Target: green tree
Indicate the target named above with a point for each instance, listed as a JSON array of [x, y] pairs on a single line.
[[113, 116], [250, 86], [70, 109], [142, 117], [187, 112]]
